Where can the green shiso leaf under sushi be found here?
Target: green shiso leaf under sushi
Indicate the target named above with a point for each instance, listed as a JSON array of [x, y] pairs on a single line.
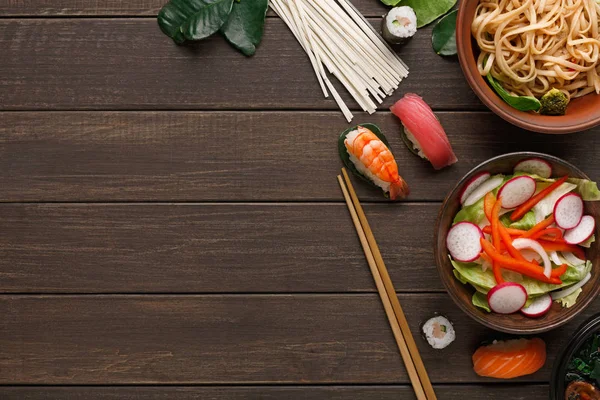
[[427, 10], [346, 157], [443, 38]]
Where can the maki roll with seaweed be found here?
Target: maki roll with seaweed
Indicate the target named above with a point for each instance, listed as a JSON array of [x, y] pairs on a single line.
[[399, 25], [439, 332], [365, 151]]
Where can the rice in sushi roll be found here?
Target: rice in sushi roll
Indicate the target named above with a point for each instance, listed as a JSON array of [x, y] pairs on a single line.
[[439, 332], [399, 24]]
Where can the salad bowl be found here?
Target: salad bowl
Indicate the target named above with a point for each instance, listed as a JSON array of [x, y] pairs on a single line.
[[462, 294]]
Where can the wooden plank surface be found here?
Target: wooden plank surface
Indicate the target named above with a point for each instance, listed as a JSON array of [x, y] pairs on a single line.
[[241, 156], [50, 64], [165, 248], [284, 339], [49, 8], [479, 392]]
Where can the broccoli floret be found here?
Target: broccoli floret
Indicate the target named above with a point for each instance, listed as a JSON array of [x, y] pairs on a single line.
[[554, 102]]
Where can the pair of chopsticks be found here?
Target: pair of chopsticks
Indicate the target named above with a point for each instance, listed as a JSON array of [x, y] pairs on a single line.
[[406, 343]]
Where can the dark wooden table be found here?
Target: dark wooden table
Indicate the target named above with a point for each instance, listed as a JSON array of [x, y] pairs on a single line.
[[172, 227]]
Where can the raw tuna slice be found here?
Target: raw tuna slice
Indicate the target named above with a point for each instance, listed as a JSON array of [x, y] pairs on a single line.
[[424, 130]]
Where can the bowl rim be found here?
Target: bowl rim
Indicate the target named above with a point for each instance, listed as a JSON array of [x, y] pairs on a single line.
[[469, 310], [581, 334], [475, 81]]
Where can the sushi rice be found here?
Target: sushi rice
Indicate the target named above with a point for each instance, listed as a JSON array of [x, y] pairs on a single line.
[[439, 332], [399, 24], [361, 167]]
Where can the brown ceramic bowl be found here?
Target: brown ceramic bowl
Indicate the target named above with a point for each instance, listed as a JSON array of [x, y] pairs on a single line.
[[461, 294], [583, 113]]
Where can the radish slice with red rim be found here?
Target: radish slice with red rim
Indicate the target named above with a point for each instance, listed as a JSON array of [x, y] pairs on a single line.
[[535, 166], [507, 298], [472, 184], [463, 242], [540, 306], [517, 191], [483, 189], [568, 211], [581, 232]]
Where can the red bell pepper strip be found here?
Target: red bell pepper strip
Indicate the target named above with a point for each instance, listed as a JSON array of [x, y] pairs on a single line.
[[523, 267], [529, 204], [557, 272], [550, 234], [496, 239], [488, 205], [507, 240], [511, 231], [540, 226], [562, 246]]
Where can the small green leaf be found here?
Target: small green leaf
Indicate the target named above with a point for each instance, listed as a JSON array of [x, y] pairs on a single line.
[[193, 19], [521, 103], [245, 26], [427, 11], [443, 37]]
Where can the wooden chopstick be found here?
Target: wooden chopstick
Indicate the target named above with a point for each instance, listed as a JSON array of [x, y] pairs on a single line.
[[391, 292], [385, 299]]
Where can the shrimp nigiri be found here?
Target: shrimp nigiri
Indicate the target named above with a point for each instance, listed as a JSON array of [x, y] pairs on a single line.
[[374, 160], [510, 359]]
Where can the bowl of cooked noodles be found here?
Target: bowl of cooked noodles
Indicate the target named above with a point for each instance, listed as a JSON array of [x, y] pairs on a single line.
[[535, 63]]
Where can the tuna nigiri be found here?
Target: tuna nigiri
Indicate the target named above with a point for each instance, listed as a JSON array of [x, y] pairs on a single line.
[[424, 130], [510, 359], [374, 160]]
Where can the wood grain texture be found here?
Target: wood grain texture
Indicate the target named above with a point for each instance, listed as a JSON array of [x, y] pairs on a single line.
[[242, 156], [276, 339], [51, 64], [63, 8], [209, 248], [479, 392]]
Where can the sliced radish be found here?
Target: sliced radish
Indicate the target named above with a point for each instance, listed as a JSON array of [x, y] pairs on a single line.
[[507, 298], [463, 242], [571, 289], [568, 211], [581, 232], [483, 189], [524, 243], [472, 184], [517, 191], [538, 307], [535, 166]]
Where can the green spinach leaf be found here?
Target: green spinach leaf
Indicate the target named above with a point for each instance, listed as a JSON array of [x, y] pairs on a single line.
[[193, 19], [443, 38], [427, 11], [245, 26], [521, 103]]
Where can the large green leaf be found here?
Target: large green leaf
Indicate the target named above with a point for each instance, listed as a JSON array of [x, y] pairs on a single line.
[[346, 157], [427, 11], [245, 26], [443, 37], [193, 19]]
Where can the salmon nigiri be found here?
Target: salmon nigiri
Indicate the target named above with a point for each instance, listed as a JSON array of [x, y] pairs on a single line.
[[424, 130], [374, 160], [510, 359]]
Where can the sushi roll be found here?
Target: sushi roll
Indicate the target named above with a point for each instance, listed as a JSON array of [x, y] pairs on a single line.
[[368, 156], [399, 25], [439, 332]]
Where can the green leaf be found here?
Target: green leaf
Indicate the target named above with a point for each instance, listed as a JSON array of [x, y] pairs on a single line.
[[443, 37], [521, 103], [570, 300], [427, 11], [390, 2], [245, 26], [525, 223], [473, 214], [346, 157], [480, 300], [586, 188], [193, 19]]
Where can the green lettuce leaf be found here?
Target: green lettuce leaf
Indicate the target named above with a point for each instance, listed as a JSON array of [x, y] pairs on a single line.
[[535, 177], [473, 213], [473, 274], [570, 300], [588, 243], [586, 188], [480, 300], [525, 223]]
